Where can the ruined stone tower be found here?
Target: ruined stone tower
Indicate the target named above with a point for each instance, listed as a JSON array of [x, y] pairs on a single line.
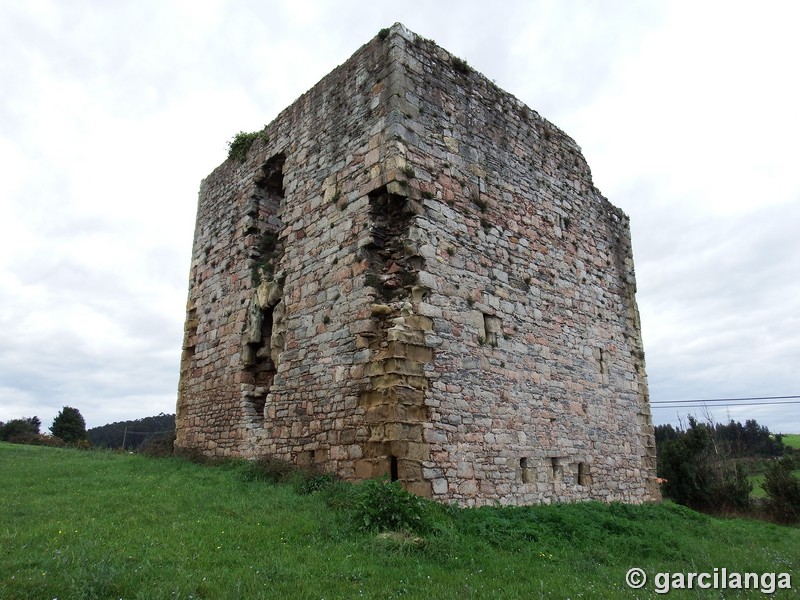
[[411, 273]]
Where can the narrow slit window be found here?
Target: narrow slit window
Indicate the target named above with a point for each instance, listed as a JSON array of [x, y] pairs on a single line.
[[525, 474], [492, 326]]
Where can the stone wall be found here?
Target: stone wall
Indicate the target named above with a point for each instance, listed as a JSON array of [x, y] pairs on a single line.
[[412, 274]]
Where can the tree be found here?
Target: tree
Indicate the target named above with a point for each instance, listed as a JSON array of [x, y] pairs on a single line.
[[20, 428], [783, 491], [69, 426], [699, 472]]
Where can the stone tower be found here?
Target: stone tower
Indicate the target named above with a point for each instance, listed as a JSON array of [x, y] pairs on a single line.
[[410, 273]]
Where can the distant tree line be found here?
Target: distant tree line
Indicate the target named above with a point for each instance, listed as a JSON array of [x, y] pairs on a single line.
[[132, 433], [750, 439]]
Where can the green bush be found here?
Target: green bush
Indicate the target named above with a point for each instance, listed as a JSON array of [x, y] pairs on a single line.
[[783, 491], [733, 489], [380, 505]]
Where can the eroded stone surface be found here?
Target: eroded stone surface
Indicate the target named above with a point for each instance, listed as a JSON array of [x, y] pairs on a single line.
[[414, 275]]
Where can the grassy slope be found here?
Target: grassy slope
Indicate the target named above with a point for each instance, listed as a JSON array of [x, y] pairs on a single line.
[[97, 525]]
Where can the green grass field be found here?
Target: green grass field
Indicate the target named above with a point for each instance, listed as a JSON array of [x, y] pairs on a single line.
[[96, 525], [792, 440]]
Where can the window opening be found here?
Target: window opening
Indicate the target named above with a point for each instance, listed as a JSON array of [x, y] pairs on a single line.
[[492, 326]]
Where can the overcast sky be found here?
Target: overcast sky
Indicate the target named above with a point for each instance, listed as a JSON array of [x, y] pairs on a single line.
[[112, 112]]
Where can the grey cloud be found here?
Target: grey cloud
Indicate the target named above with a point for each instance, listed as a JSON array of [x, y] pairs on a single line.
[[718, 294], [722, 298]]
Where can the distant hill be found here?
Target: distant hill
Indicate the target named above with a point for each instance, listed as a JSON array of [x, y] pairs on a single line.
[[132, 433]]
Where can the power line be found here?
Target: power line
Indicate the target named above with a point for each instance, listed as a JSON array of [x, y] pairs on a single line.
[[725, 400]]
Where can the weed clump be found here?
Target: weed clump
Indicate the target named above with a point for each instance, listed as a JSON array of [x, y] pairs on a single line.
[[263, 268], [196, 456], [380, 505]]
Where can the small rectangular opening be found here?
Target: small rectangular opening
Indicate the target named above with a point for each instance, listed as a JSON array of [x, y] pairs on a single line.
[[393, 473], [492, 326], [525, 474]]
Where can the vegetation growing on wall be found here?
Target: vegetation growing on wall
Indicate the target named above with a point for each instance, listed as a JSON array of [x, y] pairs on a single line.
[[241, 143], [460, 65]]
